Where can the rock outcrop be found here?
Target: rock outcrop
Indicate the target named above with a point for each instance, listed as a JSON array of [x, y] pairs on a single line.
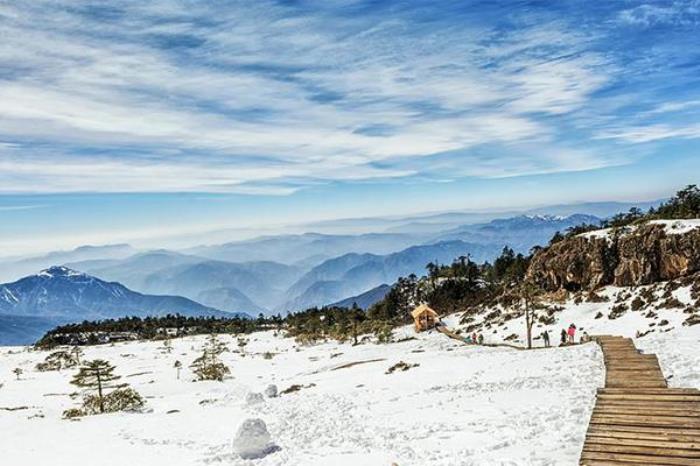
[[646, 254]]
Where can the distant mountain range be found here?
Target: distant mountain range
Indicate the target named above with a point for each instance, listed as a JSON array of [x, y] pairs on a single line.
[[59, 295], [269, 274], [308, 248], [223, 285], [520, 233]]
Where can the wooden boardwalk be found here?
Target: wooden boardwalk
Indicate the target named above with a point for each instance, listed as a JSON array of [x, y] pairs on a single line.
[[637, 420]]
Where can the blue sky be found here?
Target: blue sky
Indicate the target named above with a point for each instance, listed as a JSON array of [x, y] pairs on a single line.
[[129, 119]]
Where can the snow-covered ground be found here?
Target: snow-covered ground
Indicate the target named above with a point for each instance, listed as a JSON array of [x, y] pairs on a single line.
[[660, 324], [671, 227], [463, 405]]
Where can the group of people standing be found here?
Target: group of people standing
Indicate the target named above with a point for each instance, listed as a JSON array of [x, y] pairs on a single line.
[[474, 339], [568, 336]]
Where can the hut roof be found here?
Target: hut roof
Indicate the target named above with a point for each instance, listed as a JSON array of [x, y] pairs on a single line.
[[421, 309]]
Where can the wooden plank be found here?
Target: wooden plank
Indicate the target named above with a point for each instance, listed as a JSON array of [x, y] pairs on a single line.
[[642, 450], [655, 410], [649, 397], [645, 430], [690, 406], [665, 391], [660, 436], [637, 383], [648, 411], [614, 463], [639, 459], [642, 420], [643, 442]]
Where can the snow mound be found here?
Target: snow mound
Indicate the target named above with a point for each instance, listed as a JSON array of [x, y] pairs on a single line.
[[677, 227], [253, 440], [271, 391], [254, 398]]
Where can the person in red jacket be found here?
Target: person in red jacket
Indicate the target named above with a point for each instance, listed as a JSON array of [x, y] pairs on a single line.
[[571, 333]]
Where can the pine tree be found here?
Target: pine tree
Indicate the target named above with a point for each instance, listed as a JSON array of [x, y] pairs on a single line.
[[208, 366], [96, 375]]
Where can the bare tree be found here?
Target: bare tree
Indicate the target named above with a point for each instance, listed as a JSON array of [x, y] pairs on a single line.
[[530, 294]]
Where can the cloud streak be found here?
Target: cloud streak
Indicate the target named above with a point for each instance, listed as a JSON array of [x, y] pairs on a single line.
[[266, 98]]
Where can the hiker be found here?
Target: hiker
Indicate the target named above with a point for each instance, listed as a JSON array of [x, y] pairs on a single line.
[[545, 337], [571, 333], [468, 339], [474, 338], [481, 338], [563, 337], [585, 338]]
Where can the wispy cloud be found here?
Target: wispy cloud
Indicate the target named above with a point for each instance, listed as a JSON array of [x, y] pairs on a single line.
[[10, 208], [268, 97]]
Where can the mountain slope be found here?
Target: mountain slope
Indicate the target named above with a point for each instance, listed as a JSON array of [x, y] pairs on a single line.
[[366, 299], [65, 293], [250, 287], [354, 274], [17, 269], [23, 330]]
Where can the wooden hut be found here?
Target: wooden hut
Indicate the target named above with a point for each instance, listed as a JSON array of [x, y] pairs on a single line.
[[424, 317]]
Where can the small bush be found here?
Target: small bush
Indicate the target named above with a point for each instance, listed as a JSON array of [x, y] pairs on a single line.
[[122, 399], [617, 311], [671, 303], [637, 303], [212, 371], [692, 320], [401, 366], [594, 297]]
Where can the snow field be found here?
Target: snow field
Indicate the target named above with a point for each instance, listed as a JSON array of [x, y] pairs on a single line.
[[463, 405]]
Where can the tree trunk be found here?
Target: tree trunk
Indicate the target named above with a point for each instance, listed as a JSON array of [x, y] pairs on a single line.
[[528, 324], [99, 392]]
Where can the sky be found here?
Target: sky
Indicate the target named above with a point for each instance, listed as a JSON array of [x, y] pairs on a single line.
[[126, 120]]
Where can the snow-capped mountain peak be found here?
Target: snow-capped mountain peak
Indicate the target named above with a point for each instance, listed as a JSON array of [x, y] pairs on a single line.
[[59, 271]]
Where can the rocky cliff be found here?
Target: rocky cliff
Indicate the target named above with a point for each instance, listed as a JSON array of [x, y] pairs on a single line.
[[653, 252]]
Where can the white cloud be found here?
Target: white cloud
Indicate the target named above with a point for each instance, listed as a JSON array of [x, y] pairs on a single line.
[[651, 133], [682, 12], [270, 99]]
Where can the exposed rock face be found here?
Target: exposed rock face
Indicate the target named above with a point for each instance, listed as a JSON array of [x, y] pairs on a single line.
[[646, 255]]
